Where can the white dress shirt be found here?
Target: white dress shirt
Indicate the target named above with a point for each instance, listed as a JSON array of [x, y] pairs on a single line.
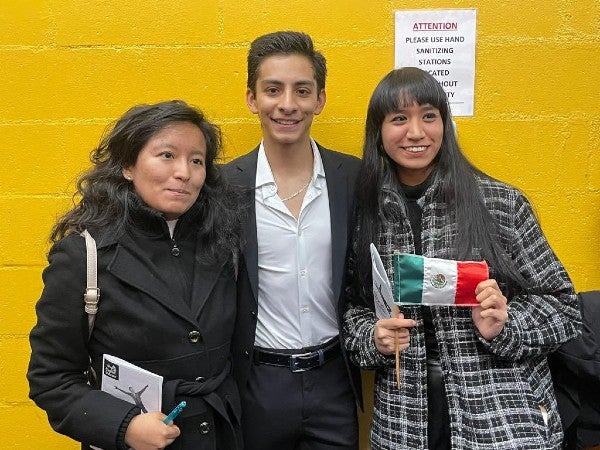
[[296, 307]]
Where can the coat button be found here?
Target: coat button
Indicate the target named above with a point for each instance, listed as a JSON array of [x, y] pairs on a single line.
[[194, 336], [246, 354], [204, 428], [200, 379], [253, 314]]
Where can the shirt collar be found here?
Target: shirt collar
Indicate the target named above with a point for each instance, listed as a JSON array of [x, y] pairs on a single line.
[[264, 175]]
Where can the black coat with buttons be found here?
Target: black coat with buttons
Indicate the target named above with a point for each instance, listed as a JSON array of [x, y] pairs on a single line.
[[159, 309]]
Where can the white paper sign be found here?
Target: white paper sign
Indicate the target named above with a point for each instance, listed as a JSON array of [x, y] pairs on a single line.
[[382, 288], [441, 42]]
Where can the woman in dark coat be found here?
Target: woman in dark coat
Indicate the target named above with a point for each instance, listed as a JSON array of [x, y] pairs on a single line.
[[166, 230]]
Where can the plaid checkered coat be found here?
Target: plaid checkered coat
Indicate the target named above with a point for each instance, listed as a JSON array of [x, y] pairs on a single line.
[[494, 389]]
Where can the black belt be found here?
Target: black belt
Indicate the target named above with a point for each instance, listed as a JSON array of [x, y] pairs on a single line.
[[302, 361]]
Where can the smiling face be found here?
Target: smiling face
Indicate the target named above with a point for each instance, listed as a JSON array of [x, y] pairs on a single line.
[[412, 137], [170, 169], [286, 99]]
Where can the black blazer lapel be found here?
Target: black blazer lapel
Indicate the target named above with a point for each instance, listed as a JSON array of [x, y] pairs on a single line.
[[337, 188], [243, 173]]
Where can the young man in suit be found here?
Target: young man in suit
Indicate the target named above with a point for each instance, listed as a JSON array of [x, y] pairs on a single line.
[[298, 390]]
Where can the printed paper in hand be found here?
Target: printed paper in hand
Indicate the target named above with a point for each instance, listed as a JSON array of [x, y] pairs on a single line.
[[382, 289], [132, 383]]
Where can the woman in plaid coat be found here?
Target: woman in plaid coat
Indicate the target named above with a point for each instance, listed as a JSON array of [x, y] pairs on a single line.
[[470, 378]]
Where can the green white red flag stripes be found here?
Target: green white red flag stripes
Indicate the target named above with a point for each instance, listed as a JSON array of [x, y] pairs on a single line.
[[419, 280]]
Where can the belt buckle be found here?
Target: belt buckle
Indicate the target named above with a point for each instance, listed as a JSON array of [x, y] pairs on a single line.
[[296, 359]]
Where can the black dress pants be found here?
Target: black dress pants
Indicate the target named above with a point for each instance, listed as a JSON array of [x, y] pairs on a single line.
[[311, 410]]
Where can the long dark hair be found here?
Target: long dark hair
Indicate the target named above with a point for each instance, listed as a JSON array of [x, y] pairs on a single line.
[[458, 178], [104, 197]]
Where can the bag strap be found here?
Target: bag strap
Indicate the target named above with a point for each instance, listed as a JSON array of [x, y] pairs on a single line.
[[91, 296]]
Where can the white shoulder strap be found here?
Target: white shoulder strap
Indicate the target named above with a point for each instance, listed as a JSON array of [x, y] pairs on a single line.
[[91, 297]]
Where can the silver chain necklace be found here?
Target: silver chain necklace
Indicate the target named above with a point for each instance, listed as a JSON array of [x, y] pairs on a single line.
[[303, 188]]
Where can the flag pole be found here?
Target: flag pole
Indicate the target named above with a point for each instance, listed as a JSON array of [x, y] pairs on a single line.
[[397, 347]]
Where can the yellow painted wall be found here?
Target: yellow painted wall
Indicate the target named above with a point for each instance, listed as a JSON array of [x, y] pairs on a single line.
[[68, 67]]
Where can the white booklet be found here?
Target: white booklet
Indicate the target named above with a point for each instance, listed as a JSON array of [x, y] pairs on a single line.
[[131, 383], [382, 288]]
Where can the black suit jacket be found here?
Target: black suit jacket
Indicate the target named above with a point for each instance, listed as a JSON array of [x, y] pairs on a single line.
[[340, 172]]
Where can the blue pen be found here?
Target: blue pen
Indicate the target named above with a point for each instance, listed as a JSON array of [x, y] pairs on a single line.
[[176, 411]]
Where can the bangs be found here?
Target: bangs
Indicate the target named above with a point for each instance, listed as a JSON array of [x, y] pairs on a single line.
[[401, 94]]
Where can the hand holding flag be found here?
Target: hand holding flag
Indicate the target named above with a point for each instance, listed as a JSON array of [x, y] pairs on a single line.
[[386, 309], [492, 313]]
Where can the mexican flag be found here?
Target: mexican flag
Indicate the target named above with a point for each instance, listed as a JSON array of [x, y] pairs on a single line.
[[419, 280]]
